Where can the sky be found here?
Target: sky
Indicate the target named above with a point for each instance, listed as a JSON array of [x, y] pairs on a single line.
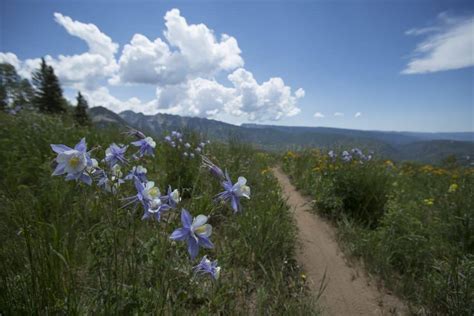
[[373, 65]]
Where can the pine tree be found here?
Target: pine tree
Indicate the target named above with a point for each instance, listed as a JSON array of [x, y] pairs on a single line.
[[14, 90], [80, 114], [49, 95]]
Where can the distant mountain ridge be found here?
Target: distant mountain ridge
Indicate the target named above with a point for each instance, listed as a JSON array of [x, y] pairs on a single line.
[[425, 147], [397, 137]]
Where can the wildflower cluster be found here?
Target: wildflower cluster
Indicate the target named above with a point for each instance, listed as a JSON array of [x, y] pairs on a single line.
[[116, 169], [355, 154], [178, 141]]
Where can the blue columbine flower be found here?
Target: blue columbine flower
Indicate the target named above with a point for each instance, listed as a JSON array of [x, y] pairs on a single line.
[[213, 169], [73, 162], [177, 135], [154, 209], [207, 266], [233, 192], [113, 183], [358, 152], [172, 198], [147, 145], [137, 172], [135, 133], [150, 197], [115, 155], [195, 231], [332, 154], [146, 192], [346, 156]]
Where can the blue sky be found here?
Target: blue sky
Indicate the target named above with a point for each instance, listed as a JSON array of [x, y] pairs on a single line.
[[347, 56]]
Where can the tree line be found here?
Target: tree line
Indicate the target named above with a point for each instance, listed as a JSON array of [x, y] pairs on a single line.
[[43, 93]]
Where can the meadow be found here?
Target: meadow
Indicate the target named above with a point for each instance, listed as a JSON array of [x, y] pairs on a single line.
[[411, 225], [72, 248]]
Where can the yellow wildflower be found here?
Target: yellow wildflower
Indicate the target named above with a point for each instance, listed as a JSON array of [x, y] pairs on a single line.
[[453, 187], [429, 201]]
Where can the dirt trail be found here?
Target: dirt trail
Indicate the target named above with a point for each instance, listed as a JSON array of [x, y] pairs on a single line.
[[349, 291]]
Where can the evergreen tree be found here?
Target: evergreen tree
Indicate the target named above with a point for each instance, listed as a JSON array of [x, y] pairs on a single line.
[[49, 95], [80, 114], [14, 90]]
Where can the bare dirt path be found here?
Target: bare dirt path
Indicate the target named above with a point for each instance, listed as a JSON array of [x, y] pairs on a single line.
[[349, 291]]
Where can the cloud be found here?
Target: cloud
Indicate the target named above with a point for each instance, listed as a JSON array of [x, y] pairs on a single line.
[[197, 97], [271, 100], [338, 114], [358, 114], [300, 93], [82, 71], [319, 115], [190, 51], [183, 66], [98, 42], [143, 61], [87, 69], [101, 97], [447, 46], [10, 58]]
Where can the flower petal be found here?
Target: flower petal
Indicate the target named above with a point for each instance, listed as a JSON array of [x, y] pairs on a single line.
[[235, 203], [186, 218], [199, 221], [241, 181], [81, 146], [59, 170], [206, 243], [180, 234], [86, 178], [59, 148], [146, 216], [193, 248], [204, 231]]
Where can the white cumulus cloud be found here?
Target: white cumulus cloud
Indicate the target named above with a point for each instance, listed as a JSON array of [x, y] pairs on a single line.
[[271, 100], [85, 70], [82, 71], [445, 47], [246, 98], [319, 115], [190, 51], [98, 42], [338, 114], [358, 114]]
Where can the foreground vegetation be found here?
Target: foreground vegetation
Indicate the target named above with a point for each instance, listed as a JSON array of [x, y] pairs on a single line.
[[70, 248], [412, 225]]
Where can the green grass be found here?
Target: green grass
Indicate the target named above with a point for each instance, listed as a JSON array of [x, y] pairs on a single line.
[[412, 225], [71, 249]]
